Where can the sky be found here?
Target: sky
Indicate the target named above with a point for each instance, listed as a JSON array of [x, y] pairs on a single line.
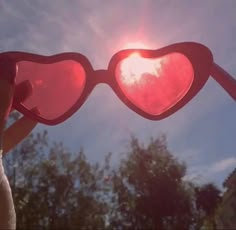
[[202, 133]]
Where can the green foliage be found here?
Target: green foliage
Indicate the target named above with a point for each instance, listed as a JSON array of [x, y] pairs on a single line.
[[53, 188], [151, 192], [56, 189], [208, 198]]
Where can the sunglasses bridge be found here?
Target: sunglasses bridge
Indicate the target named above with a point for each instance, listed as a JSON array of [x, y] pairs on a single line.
[[101, 76]]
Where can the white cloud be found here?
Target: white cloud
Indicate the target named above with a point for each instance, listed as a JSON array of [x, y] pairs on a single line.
[[215, 172], [223, 165]]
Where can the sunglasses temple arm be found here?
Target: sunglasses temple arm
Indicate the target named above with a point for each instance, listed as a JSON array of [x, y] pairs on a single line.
[[224, 79]]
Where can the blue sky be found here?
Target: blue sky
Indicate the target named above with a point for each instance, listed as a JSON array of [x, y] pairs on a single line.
[[202, 133]]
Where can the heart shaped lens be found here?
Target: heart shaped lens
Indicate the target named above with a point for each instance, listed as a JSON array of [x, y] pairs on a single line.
[[155, 84], [56, 87]]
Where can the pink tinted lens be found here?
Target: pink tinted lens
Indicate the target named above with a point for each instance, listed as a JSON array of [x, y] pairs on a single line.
[[56, 87], [154, 85]]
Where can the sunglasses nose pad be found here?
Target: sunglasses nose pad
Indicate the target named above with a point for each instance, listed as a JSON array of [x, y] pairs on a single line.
[[22, 91]]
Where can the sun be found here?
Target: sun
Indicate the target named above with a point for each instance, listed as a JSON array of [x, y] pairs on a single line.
[[134, 67]]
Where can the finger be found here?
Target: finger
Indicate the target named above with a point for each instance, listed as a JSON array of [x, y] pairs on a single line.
[[22, 127], [8, 70], [22, 91], [17, 132], [6, 93]]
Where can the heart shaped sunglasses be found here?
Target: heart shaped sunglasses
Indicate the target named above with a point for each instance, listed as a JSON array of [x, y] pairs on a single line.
[[153, 83]]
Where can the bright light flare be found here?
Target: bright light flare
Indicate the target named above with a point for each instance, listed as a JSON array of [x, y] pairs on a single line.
[[135, 67], [136, 45]]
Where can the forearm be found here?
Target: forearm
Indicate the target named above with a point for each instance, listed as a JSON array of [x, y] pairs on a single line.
[[7, 210]]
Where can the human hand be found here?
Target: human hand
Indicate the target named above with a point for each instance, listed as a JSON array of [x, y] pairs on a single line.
[[21, 128], [10, 137]]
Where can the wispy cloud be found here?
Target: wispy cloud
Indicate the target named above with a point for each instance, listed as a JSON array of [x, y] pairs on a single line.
[[213, 172], [223, 165]]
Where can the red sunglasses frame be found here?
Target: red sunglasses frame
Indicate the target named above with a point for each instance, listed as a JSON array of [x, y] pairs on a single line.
[[199, 56]]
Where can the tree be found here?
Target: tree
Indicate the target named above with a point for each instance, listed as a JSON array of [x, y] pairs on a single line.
[[208, 197], [54, 188], [149, 190]]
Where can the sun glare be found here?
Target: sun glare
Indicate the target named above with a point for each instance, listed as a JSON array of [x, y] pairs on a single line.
[[135, 45], [135, 67]]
